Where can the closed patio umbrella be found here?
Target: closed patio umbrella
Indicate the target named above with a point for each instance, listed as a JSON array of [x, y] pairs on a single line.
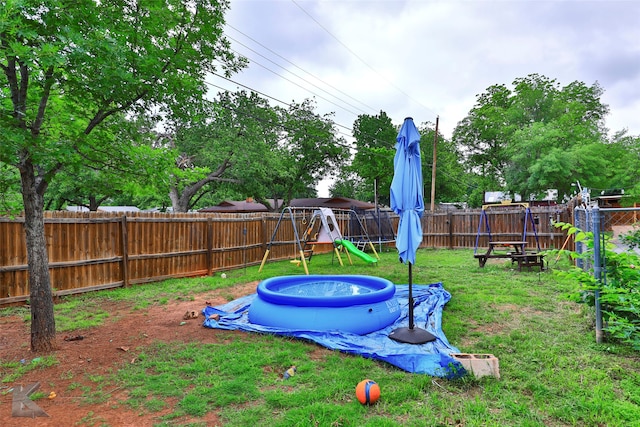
[[407, 201]]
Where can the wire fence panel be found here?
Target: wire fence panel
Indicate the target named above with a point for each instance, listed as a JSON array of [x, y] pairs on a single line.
[[582, 220], [614, 224]]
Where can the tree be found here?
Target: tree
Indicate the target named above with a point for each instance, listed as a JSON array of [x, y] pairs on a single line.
[[244, 146], [350, 184], [375, 139], [535, 137], [484, 133], [561, 141], [309, 150], [68, 69], [231, 141], [624, 150], [130, 168], [10, 197]]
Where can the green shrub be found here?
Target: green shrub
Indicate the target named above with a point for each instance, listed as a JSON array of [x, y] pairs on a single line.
[[619, 287], [632, 238]]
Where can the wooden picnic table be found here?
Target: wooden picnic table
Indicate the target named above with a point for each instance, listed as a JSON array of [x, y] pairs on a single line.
[[515, 251], [517, 245]]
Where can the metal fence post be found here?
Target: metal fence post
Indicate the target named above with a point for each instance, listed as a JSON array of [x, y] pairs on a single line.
[[597, 269], [578, 213]]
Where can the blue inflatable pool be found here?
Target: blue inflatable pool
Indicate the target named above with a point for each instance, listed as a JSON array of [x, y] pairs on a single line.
[[356, 304]]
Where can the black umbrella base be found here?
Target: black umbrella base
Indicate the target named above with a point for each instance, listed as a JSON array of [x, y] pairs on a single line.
[[411, 336]]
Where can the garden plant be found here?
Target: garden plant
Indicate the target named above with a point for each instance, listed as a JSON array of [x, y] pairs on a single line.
[[618, 287]]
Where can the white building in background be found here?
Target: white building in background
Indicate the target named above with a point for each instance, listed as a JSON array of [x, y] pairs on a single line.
[[104, 209]]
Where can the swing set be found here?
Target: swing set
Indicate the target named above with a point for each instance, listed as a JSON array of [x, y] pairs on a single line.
[[516, 250], [322, 228]]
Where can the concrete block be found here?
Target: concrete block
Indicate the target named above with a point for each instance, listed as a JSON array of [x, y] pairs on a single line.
[[479, 365]]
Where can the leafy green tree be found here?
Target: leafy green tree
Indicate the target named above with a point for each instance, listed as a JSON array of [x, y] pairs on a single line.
[[131, 166], [309, 150], [484, 133], [231, 142], [243, 146], [375, 139], [375, 142], [624, 152], [10, 197], [476, 186], [563, 139], [537, 136], [69, 68], [350, 184]]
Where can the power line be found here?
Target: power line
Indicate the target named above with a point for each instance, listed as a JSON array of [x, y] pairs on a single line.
[[347, 128], [280, 125], [312, 75], [265, 95], [298, 67], [292, 82], [315, 77]]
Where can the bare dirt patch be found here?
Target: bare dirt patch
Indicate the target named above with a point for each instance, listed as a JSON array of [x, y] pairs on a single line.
[[101, 351]]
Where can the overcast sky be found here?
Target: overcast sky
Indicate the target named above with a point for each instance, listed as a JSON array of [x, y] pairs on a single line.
[[424, 58]]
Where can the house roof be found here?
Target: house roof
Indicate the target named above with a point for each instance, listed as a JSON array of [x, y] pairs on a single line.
[[236, 206], [331, 202]]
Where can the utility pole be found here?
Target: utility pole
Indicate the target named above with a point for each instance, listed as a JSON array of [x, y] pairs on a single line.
[[433, 169]]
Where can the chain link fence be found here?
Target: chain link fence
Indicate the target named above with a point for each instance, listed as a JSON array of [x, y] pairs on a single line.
[[608, 225], [612, 222], [582, 220]]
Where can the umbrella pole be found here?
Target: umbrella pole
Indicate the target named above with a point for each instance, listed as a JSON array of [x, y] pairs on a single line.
[[411, 335], [411, 325]]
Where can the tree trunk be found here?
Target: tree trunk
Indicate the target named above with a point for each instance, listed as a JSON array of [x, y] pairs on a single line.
[[93, 204], [179, 202], [43, 327]]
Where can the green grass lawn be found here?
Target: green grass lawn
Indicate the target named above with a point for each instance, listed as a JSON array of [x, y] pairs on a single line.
[[552, 371]]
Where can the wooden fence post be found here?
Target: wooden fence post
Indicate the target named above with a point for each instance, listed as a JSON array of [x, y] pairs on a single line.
[[125, 251], [209, 246], [450, 227], [263, 230]]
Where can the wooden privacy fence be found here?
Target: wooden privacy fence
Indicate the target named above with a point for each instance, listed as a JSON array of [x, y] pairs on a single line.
[[459, 229], [93, 251]]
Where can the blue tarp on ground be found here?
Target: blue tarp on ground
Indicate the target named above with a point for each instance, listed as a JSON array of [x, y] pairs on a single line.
[[432, 358]]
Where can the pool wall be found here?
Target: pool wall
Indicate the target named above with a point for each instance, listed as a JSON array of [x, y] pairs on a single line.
[[360, 305]]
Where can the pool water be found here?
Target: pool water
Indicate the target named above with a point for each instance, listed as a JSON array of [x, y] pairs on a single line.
[[325, 288]]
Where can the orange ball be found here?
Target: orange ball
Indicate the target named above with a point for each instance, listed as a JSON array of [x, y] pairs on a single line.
[[368, 392]]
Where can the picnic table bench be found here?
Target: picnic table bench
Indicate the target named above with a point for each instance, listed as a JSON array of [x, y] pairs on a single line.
[[514, 250], [529, 260]]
